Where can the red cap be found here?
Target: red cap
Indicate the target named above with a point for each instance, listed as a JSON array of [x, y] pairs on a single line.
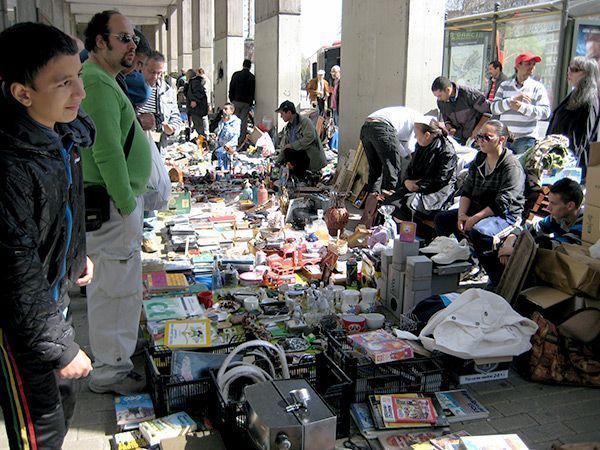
[[527, 56]]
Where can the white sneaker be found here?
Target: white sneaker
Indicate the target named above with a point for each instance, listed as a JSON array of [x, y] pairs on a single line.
[[439, 244], [450, 254]]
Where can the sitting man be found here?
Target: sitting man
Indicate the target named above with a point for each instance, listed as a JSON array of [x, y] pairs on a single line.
[[301, 147], [562, 226], [227, 135]]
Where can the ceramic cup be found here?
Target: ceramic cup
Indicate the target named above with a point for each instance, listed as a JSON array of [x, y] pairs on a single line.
[[349, 300], [353, 323], [368, 294], [374, 320]]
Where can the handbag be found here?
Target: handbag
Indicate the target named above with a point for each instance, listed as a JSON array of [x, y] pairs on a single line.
[[158, 189]]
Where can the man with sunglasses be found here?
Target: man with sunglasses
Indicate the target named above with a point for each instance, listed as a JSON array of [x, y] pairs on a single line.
[[117, 168]]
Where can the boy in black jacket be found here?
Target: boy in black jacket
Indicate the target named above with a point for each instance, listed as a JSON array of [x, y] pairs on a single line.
[[42, 236]]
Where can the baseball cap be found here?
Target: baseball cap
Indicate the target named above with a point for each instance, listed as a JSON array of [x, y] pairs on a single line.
[[286, 106], [527, 56]]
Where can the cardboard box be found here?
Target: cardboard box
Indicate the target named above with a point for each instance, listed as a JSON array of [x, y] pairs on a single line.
[[592, 180], [404, 249], [417, 284], [395, 282], [591, 223], [468, 371], [418, 267], [411, 298], [381, 346]]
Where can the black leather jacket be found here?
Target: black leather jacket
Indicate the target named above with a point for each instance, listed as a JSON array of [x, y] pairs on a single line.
[[42, 232]]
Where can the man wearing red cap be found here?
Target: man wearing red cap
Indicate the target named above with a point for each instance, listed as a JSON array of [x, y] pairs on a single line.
[[521, 102]]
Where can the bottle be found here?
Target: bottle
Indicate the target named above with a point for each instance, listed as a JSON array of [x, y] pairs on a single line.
[[263, 194], [351, 272], [217, 281], [320, 227], [255, 193]]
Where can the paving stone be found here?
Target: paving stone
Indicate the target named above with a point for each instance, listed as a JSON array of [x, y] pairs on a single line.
[[87, 444], [593, 436], [584, 424], [476, 427], [511, 424], [558, 413], [546, 432], [547, 445]]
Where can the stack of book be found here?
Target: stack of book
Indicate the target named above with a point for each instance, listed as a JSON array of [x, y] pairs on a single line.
[[163, 282]]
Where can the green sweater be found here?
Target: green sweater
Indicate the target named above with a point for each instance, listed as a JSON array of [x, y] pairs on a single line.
[[104, 163]]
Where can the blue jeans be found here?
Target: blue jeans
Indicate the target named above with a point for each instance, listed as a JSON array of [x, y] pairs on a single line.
[[222, 158], [521, 145], [481, 237]]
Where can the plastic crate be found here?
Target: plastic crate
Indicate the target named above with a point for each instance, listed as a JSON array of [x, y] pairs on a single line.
[[334, 387], [172, 393], [420, 374]]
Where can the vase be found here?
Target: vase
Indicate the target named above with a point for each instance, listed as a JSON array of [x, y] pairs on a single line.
[[336, 219]]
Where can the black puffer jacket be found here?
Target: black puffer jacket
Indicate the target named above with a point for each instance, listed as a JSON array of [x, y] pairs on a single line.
[[42, 236], [434, 166]]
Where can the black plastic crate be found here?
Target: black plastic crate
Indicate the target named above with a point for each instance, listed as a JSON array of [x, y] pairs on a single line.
[[172, 393], [323, 375], [419, 374]]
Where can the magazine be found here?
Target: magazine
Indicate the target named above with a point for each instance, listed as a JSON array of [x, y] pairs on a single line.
[[401, 409], [375, 407], [131, 410], [449, 441], [459, 405]]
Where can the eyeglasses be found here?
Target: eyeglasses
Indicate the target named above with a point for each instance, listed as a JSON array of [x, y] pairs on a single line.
[[126, 38], [484, 137], [574, 69]]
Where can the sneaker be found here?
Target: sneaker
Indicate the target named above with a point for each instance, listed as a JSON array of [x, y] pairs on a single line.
[[148, 246], [458, 252], [132, 383], [439, 244]]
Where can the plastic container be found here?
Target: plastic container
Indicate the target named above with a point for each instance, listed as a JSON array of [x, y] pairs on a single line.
[[263, 194]]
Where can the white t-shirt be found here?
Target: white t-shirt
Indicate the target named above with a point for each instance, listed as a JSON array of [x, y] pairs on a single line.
[[402, 119]]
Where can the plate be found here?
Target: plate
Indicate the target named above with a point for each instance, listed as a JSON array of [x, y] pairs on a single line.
[[229, 306]]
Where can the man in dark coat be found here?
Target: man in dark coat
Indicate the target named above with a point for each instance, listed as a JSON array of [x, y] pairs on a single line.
[[241, 94]]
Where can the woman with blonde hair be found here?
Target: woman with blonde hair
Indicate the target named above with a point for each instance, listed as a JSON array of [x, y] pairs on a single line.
[[576, 117]]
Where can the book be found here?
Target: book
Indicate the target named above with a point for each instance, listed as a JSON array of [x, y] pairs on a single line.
[[191, 366], [492, 442], [404, 440], [362, 417], [381, 346], [167, 427], [401, 409], [190, 333], [131, 410], [459, 405], [449, 441], [129, 440], [375, 407], [165, 282]]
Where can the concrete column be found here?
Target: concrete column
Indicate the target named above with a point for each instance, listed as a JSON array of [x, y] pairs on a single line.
[[276, 55], [163, 38], [203, 34], [184, 34], [228, 45], [26, 11], [149, 32], [390, 56], [172, 50]]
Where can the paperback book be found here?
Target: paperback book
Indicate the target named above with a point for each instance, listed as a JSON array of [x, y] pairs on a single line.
[[376, 413], [401, 409], [129, 440], [460, 405], [164, 308], [131, 410], [191, 333]]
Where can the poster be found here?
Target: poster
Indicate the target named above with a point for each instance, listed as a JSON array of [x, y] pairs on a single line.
[[468, 58], [586, 40]]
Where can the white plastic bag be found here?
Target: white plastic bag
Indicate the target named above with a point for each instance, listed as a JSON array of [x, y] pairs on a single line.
[[158, 188], [478, 324]]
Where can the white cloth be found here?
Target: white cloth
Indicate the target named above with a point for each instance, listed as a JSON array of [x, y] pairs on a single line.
[[478, 324], [403, 121], [114, 297], [158, 188]]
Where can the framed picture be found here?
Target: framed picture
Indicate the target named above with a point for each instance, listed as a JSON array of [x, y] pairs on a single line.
[[586, 39]]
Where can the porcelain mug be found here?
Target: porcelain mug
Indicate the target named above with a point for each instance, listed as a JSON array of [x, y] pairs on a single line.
[[353, 323], [374, 320], [349, 300]]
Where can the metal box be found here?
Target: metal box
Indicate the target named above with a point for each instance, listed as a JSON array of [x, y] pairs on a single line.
[[269, 425]]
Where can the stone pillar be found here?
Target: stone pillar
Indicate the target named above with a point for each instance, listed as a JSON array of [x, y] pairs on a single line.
[[228, 46], [184, 34], [163, 35], [276, 55], [203, 34], [172, 50], [390, 56], [149, 32], [26, 11]]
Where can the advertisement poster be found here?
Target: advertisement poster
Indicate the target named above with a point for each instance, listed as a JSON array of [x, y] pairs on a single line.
[[468, 58], [586, 40]]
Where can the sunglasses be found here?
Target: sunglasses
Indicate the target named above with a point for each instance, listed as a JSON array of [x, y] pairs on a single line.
[[484, 137], [125, 38], [574, 69]]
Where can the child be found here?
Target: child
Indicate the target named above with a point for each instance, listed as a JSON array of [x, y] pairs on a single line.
[[42, 236]]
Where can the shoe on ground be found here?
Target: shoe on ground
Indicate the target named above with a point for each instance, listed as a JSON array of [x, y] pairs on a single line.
[[148, 246], [450, 254], [132, 383], [439, 244]]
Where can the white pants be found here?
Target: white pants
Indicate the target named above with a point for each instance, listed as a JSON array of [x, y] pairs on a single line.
[[114, 297]]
